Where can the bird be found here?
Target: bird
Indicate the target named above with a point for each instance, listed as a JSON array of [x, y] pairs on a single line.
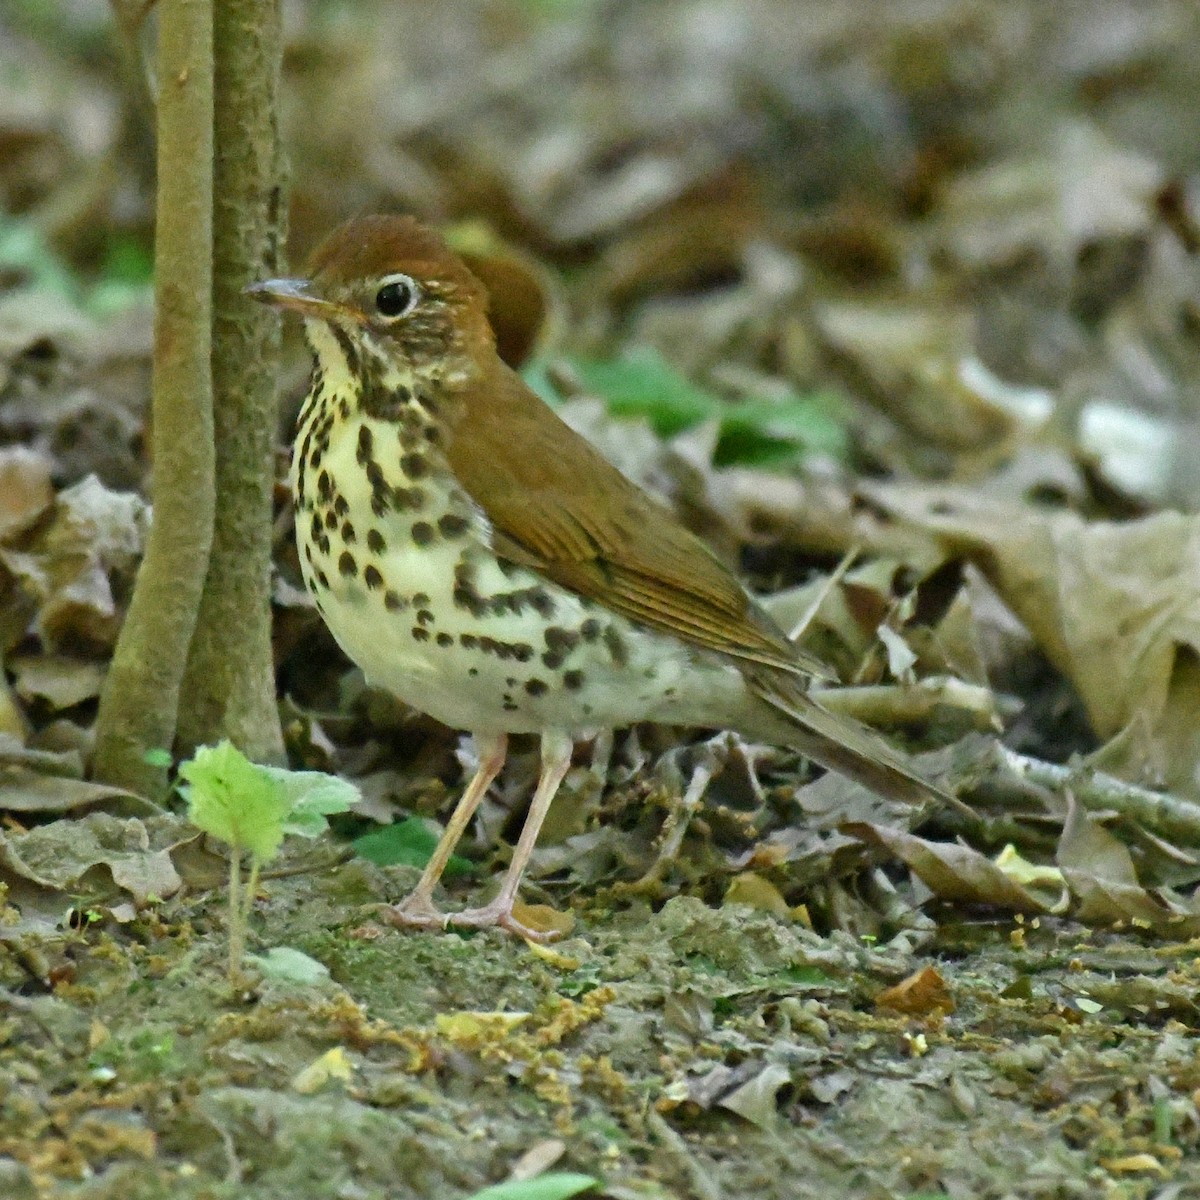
[[482, 561]]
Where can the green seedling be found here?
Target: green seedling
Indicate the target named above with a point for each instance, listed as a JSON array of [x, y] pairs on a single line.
[[253, 808], [558, 1186]]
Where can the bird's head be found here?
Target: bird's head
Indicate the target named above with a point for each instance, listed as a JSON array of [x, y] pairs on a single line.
[[385, 292]]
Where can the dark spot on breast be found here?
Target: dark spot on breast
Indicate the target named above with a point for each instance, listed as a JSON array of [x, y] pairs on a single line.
[[506, 565], [465, 596], [323, 580], [537, 687], [318, 455], [542, 601], [348, 534], [424, 616], [411, 498], [433, 435], [341, 505], [590, 629], [451, 525], [323, 543], [617, 650], [375, 542], [308, 554], [372, 578], [365, 441], [553, 659], [468, 641], [325, 486], [420, 634], [315, 527], [522, 651], [331, 519], [502, 650], [444, 639], [557, 638], [414, 465], [344, 408], [421, 599], [573, 680], [374, 473], [346, 563], [393, 601], [422, 533], [472, 671]]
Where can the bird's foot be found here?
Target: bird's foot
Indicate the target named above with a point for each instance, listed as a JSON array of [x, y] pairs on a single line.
[[500, 914], [414, 912]]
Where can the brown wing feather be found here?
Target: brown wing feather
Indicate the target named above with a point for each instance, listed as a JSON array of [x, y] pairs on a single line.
[[558, 506]]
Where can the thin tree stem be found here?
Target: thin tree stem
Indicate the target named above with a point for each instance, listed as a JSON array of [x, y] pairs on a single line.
[[140, 700]]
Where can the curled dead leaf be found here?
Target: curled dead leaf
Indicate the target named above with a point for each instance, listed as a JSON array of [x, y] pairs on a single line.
[[921, 993]]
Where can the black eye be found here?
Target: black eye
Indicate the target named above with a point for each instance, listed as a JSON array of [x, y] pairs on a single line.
[[396, 296]]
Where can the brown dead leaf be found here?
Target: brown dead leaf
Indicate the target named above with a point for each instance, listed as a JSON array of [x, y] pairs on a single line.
[[25, 489], [1102, 876], [94, 853], [56, 679], [1078, 188], [67, 569], [758, 892], [921, 993], [544, 919], [1115, 607], [918, 363], [950, 870]]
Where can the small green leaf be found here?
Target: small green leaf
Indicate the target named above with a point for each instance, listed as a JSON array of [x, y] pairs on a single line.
[[293, 966], [771, 433], [128, 259], [24, 249], [764, 432], [644, 384], [409, 843], [312, 796], [235, 800], [559, 1186]]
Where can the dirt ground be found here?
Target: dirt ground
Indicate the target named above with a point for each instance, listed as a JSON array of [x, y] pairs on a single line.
[[689, 1052]]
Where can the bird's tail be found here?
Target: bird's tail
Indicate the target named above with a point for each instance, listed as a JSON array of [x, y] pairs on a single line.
[[842, 744]]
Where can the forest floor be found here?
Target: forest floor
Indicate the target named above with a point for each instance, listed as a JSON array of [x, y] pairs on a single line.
[[897, 305]]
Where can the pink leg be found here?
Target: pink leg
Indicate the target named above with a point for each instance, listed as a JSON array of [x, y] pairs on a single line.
[[418, 908], [556, 760]]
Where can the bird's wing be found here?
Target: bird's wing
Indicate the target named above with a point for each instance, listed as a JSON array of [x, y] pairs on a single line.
[[558, 506]]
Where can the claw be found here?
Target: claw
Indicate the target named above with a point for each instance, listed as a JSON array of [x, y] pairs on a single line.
[[414, 914], [500, 915]]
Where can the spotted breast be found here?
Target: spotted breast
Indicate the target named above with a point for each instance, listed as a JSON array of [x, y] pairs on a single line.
[[402, 565]]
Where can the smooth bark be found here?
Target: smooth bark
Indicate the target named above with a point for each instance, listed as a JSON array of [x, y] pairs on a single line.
[[229, 687], [139, 703]]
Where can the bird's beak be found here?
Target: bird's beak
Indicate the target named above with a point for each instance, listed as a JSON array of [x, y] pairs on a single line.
[[295, 295]]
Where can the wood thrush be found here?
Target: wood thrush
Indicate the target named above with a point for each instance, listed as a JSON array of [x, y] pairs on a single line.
[[478, 558]]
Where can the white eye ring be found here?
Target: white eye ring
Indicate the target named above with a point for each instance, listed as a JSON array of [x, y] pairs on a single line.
[[396, 296]]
